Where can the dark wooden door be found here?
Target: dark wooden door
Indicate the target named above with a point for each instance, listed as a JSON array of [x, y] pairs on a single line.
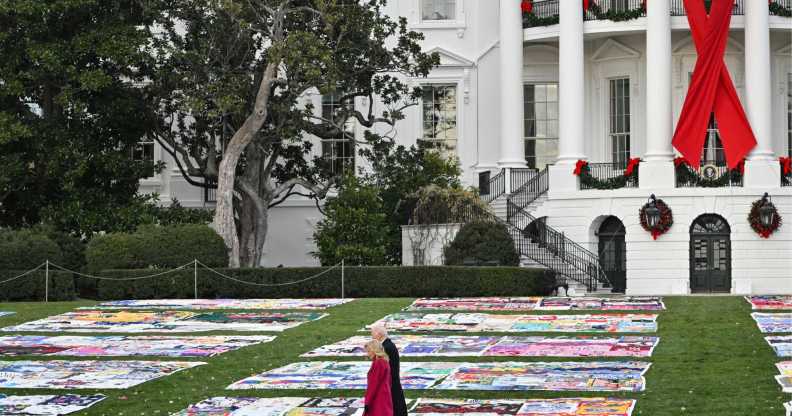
[[710, 255], [613, 253]]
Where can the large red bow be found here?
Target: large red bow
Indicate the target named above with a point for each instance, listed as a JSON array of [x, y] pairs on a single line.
[[631, 165], [579, 167], [786, 165], [527, 6], [712, 90]]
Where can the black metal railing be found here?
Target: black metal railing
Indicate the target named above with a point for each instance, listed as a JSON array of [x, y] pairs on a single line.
[[678, 7], [708, 176], [551, 248], [781, 8], [210, 194], [544, 13], [537, 186], [490, 188], [615, 10], [521, 176], [611, 175], [786, 180]]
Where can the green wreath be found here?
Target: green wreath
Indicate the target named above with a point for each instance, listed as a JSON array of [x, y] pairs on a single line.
[[778, 9], [592, 182], [686, 174], [532, 20], [616, 15], [756, 222]]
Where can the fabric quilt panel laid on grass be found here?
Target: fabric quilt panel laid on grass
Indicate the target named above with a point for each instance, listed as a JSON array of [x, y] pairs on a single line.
[[478, 322], [788, 407], [785, 378], [279, 406], [85, 374], [220, 304], [773, 323], [533, 407], [770, 302], [2, 314], [331, 375], [125, 346], [166, 321], [498, 346], [46, 405], [520, 304], [550, 376], [781, 344]]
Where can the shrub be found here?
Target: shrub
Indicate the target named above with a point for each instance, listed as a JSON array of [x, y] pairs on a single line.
[[482, 242], [359, 282], [26, 249], [31, 286], [157, 247]]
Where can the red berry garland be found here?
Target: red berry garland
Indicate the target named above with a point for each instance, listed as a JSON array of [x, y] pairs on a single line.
[[666, 219], [756, 222]]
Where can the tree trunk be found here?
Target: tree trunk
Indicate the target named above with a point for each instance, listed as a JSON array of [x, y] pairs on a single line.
[[225, 224]]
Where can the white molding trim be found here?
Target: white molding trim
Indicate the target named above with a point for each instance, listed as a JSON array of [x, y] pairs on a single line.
[[627, 52], [457, 60]]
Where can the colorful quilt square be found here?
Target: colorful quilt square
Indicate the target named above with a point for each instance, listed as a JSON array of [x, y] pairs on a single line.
[[125, 346], [166, 321], [220, 304], [522, 304], [477, 322], [555, 376], [785, 378], [533, 407], [475, 304], [616, 303], [85, 374], [2, 313], [782, 345], [331, 375], [242, 406], [773, 323], [46, 405], [770, 302]]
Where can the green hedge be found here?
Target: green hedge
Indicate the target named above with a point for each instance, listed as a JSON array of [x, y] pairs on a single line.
[[157, 247], [31, 287], [360, 282], [26, 249]]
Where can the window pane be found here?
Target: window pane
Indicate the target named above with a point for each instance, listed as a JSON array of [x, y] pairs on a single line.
[[440, 117], [619, 120], [439, 9], [541, 124]]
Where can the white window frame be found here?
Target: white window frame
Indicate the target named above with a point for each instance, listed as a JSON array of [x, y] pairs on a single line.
[[434, 83], [349, 136], [789, 114], [525, 136], [611, 135], [455, 22]]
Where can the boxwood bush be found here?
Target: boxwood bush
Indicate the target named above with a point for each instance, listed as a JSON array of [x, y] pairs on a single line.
[[154, 247], [361, 282], [482, 242], [26, 249]]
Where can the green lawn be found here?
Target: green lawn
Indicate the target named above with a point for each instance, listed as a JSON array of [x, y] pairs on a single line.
[[711, 360]]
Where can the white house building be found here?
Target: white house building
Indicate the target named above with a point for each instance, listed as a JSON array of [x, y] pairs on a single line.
[[520, 98]]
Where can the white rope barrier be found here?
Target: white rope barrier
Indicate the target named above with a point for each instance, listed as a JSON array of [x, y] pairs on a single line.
[[23, 274], [122, 279], [316, 276]]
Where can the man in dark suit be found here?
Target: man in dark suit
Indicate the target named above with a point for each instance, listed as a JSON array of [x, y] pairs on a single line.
[[379, 333]]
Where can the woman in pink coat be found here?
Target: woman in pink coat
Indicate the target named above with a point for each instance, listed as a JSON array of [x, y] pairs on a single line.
[[378, 392]]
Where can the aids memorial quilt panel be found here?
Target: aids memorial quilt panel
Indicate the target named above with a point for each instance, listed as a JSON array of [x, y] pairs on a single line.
[[771, 302], [85, 374], [318, 375], [555, 376], [782, 345], [533, 407], [785, 378], [125, 346], [476, 322], [788, 407], [242, 406], [2, 314], [498, 346], [46, 405], [621, 303], [773, 323], [166, 321], [475, 304], [220, 304]]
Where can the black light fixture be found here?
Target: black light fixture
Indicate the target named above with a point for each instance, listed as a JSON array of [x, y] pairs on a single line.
[[652, 213], [766, 211]]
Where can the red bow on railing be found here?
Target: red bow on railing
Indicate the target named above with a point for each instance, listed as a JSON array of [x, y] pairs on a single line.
[[712, 90], [786, 165], [579, 167], [679, 160], [527, 6], [631, 165]]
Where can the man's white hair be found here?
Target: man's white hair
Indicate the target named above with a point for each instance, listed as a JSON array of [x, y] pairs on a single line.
[[379, 329]]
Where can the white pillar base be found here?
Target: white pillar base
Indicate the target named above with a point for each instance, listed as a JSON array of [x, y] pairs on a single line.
[[563, 179], [656, 174], [762, 174]]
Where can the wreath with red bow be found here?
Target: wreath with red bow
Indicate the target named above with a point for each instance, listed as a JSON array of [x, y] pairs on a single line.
[[583, 170], [756, 222], [666, 219]]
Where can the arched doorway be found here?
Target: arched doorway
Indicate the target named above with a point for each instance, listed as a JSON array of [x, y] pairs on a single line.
[[710, 255], [613, 252]]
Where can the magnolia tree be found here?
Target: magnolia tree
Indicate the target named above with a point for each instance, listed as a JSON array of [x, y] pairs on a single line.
[[230, 85]]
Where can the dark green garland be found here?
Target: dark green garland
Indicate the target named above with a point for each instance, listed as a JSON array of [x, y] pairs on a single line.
[[616, 15], [532, 20], [686, 175], [779, 10], [617, 182]]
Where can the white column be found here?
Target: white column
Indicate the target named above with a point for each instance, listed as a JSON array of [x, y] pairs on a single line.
[[571, 97], [511, 77], [762, 167], [657, 171]]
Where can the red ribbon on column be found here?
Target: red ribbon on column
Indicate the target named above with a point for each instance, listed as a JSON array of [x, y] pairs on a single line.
[[712, 90]]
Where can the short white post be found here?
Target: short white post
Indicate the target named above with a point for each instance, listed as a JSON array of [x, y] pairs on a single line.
[[46, 282], [195, 278], [342, 279]]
